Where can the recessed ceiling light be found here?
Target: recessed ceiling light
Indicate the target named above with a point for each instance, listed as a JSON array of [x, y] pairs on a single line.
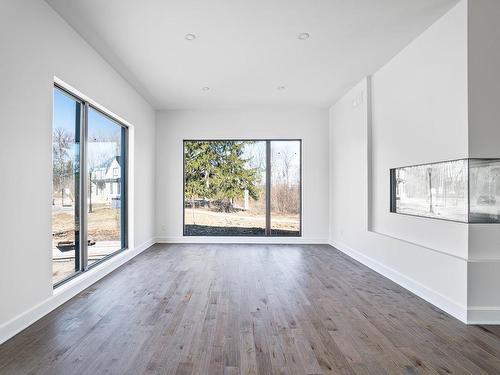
[[190, 37], [303, 36], [206, 88], [281, 87]]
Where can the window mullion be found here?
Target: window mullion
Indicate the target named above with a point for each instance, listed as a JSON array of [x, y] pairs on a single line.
[[84, 189], [268, 188]]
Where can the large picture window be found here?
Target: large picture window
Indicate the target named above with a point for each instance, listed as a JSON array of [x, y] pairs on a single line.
[[465, 190], [89, 186], [242, 187]]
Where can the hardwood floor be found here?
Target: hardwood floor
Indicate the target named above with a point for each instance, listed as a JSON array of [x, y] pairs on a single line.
[[249, 309]]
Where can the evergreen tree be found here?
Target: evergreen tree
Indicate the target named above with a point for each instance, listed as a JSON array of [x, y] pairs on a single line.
[[218, 171]]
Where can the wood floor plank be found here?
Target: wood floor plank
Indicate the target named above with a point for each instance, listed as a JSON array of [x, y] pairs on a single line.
[[249, 309]]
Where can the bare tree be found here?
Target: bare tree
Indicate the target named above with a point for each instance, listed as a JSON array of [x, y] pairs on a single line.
[[62, 141], [100, 155], [285, 195]]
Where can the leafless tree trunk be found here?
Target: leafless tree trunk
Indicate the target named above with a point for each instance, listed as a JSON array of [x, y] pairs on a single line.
[[192, 209], [90, 192], [429, 172]]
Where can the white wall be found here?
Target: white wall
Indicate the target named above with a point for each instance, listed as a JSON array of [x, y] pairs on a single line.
[[484, 78], [36, 45], [484, 141], [310, 125], [418, 114]]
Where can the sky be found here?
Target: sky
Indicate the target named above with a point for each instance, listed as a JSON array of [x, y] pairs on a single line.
[[100, 127]]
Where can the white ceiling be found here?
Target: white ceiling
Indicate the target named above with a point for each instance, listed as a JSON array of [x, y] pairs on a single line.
[[245, 49]]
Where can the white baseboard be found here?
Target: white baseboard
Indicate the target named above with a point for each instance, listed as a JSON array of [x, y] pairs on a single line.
[[68, 291], [483, 315], [444, 303], [244, 240]]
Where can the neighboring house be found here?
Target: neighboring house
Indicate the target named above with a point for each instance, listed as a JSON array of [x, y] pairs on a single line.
[[106, 180]]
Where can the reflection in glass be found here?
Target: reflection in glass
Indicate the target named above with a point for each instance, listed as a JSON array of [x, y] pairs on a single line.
[[224, 188], [285, 188], [65, 179], [436, 190], [105, 183], [484, 185]]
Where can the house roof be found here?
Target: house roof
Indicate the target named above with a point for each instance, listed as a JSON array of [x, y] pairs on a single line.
[[107, 164]]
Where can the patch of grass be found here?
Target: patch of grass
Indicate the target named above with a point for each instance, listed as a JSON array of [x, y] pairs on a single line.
[[103, 224]]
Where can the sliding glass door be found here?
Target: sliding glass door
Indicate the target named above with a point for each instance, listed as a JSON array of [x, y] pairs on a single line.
[[67, 121], [242, 188], [104, 186], [89, 186]]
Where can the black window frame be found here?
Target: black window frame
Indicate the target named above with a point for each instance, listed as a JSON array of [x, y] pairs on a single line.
[[470, 220], [81, 187], [268, 229]]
